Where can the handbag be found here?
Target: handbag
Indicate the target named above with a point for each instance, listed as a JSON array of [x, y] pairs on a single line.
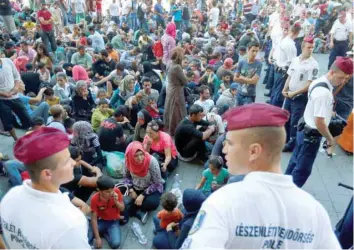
[[123, 188]]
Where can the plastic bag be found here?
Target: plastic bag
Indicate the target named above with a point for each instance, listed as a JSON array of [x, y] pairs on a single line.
[[115, 164]]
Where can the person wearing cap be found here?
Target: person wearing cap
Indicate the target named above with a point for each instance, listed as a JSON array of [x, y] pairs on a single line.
[[57, 222], [302, 71], [265, 209], [227, 99], [27, 51], [317, 116], [283, 54], [341, 31], [46, 22]]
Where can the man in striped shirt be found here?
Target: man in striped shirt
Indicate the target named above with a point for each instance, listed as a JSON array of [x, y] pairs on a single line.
[[9, 98], [247, 11]]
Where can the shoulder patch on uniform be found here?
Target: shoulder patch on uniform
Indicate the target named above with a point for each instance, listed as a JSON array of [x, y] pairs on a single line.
[[315, 72], [198, 222]]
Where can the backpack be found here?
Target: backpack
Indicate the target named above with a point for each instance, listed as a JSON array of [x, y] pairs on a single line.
[[185, 13], [140, 13], [157, 49]]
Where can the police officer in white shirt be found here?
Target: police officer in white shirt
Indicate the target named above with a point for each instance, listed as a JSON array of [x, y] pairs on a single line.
[[36, 215], [317, 116], [266, 209], [302, 71], [283, 55], [341, 32]]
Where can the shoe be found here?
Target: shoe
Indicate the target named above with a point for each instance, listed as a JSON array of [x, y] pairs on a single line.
[[267, 94], [288, 148], [268, 101], [143, 216]]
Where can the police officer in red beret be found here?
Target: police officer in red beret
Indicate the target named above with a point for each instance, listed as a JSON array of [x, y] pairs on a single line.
[[266, 209], [36, 214], [317, 116], [302, 71]]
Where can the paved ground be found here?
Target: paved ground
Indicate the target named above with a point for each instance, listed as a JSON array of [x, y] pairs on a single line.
[[322, 184]]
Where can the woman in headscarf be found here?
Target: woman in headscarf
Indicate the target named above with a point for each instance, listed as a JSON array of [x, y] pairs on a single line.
[[79, 73], [82, 102], [20, 63], [88, 144], [168, 41], [154, 76], [143, 177], [128, 87], [140, 128], [175, 104]]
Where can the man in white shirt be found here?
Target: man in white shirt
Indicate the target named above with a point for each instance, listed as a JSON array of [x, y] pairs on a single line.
[[78, 9], [214, 15], [341, 32], [114, 9], [266, 209], [126, 9], [204, 99], [283, 55], [302, 71], [97, 40], [317, 116], [49, 220]]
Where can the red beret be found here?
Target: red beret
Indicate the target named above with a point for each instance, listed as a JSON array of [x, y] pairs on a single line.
[[297, 24], [40, 144], [285, 19], [309, 39], [255, 115], [345, 64]]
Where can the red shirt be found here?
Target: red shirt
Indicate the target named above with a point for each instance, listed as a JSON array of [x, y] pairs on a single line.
[[168, 217], [46, 16], [106, 210]]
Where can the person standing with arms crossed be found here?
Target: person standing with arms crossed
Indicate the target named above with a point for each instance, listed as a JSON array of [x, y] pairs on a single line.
[[50, 220], [46, 21], [266, 209], [302, 71], [317, 116]]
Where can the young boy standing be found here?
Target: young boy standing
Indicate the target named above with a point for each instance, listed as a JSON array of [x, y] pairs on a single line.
[[247, 75], [106, 206]]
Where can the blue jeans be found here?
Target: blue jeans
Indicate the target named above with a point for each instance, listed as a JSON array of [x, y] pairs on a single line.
[[296, 109], [277, 97], [243, 100], [304, 155], [270, 79], [344, 229], [110, 230], [14, 169], [41, 111], [157, 224], [133, 21], [48, 39]]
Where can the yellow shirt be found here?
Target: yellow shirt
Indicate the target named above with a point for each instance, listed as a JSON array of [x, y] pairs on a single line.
[[54, 101], [29, 25]]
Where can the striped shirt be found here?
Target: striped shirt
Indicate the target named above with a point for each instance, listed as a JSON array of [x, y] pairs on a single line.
[[8, 76], [247, 8]]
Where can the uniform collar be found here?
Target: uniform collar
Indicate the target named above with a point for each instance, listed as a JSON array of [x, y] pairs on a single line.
[[40, 195], [272, 178]]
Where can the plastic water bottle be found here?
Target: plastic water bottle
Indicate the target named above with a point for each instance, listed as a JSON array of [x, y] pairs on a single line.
[[177, 182], [139, 233]]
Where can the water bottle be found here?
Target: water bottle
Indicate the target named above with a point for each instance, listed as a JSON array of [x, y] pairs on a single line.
[[139, 233], [177, 182]]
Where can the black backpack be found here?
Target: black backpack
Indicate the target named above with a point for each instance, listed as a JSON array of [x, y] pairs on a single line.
[[185, 13], [140, 13]]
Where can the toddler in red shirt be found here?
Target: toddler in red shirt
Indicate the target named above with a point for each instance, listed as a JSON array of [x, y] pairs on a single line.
[[170, 212], [106, 206], [152, 108]]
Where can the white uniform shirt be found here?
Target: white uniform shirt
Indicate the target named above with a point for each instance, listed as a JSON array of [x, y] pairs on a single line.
[[302, 71], [265, 210], [341, 31], [320, 103], [114, 8], [32, 219], [285, 52], [79, 6]]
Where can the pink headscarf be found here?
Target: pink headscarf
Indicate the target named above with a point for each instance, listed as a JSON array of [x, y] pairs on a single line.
[[171, 30], [79, 73], [20, 63], [228, 63]]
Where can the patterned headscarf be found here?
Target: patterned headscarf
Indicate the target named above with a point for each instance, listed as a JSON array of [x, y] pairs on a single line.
[[84, 136]]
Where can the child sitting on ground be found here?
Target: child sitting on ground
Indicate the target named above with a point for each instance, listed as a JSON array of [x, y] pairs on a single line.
[[101, 95], [106, 206], [152, 108], [214, 177], [44, 74], [133, 100], [101, 113], [170, 212], [50, 98]]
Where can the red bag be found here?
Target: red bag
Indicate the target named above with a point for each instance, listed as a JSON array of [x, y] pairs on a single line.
[[25, 175], [157, 49]]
